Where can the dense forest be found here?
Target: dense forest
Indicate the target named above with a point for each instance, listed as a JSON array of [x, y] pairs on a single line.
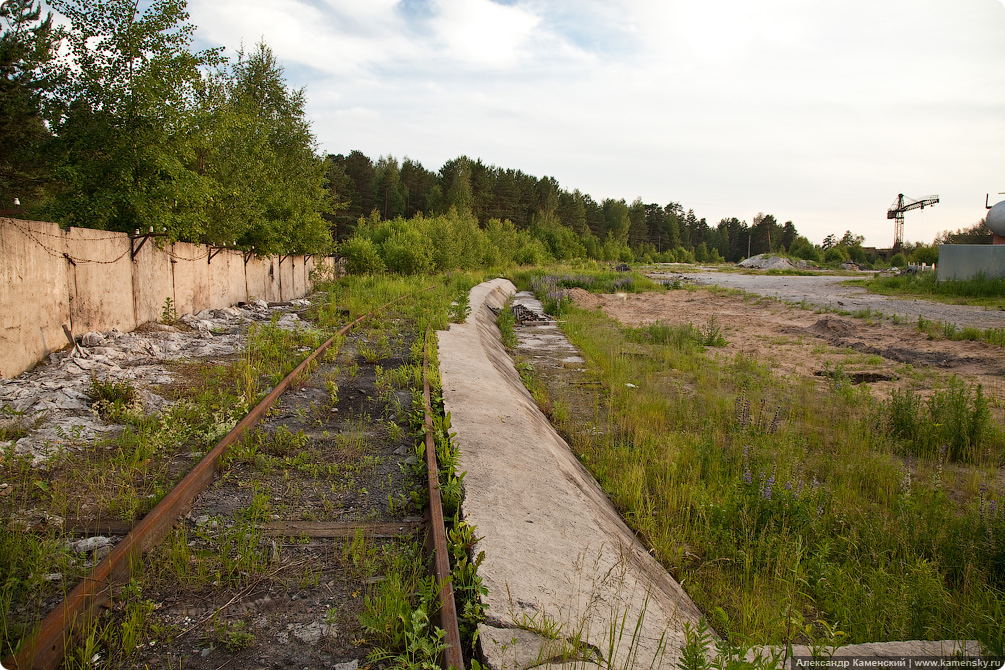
[[360, 185], [111, 120]]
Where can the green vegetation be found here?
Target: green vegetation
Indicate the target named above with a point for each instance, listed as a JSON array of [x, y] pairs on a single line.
[[126, 475], [783, 507], [116, 126], [981, 290]]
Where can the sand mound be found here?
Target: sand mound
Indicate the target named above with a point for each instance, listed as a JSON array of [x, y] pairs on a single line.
[[585, 299], [830, 325]]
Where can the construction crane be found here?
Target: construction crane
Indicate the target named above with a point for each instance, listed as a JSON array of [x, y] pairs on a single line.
[[896, 212]]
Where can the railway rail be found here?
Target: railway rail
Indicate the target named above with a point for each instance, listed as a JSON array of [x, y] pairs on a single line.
[[47, 647]]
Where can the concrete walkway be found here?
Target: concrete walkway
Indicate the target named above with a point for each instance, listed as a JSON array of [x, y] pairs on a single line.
[[568, 582]]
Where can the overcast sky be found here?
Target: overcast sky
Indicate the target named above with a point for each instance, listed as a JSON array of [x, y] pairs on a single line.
[[816, 112]]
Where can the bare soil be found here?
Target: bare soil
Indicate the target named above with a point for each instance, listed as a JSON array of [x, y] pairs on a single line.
[[808, 342]]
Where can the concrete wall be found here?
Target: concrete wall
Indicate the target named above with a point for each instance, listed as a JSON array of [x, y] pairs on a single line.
[[100, 280], [153, 281], [286, 273], [34, 300], [966, 261], [88, 280]]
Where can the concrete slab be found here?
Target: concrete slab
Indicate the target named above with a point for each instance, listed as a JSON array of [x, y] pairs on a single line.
[[559, 561]]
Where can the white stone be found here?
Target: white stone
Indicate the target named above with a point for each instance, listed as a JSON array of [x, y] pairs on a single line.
[[89, 544], [92, 339]]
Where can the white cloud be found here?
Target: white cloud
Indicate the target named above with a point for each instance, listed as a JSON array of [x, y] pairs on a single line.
[[482, 33], [819, 113]]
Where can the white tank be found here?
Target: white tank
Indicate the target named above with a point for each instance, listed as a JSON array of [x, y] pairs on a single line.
[[996, 219]]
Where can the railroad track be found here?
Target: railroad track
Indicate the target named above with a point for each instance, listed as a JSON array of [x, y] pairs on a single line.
[[267, 552]]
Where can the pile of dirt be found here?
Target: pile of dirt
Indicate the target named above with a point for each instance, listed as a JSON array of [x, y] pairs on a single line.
[[766, 262], [830, 326], [585, 299]]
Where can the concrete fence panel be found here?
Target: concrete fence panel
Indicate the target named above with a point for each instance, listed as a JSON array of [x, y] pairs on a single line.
[[273, 287], [299, 276], [191, 277], [286, 274], [226, 280], [100, 280], [34, 302], [153, 282], [88, 280], [256, 274]]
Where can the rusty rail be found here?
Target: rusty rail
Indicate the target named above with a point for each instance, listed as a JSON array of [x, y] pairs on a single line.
[[441, 556], [45, 650]]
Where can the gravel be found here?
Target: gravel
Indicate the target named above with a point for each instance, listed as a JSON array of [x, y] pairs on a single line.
[[830, 292]]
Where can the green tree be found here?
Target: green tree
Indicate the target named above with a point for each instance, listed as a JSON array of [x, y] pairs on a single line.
[[269, 183], [616, 220], [637, 230], [979, 233], [766, 234], [26, 49], [120, 112], [455, 183], [789, 234], [389, 192]]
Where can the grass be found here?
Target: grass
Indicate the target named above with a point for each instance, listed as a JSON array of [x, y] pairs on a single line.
[[788, 511], [980, 291], [944, 330]]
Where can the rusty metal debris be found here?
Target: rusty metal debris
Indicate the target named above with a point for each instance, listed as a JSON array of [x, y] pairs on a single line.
[[522, 315], [448, 608]]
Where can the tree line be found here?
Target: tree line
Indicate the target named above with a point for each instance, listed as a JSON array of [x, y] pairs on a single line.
[[110, 119], [360, 186]]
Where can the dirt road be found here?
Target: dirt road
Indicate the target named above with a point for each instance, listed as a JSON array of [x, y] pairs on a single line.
[[831, 292]]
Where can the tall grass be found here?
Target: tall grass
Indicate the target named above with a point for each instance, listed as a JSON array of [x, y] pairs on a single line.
[[785, 507]]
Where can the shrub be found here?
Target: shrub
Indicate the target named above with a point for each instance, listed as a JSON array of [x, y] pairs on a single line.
[[361, 256], [407, 252], [531, 253], [836, 254]]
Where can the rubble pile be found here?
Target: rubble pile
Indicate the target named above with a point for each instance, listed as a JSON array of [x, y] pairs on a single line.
[[51, 401], [522, 315]]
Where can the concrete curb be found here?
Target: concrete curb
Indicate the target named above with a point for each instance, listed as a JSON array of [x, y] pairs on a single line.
[[559, 561]]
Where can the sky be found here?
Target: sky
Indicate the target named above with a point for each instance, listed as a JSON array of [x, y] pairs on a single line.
[[815, 112]]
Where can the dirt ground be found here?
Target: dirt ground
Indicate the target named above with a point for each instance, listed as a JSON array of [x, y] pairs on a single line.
[[832, 292], [803, 342]]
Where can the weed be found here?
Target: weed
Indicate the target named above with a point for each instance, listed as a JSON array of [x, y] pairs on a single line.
[[507, 324], [169, 315], [17, 424], [233, 635], [789, 517], [116, 401], [711, 334], [459, 308]]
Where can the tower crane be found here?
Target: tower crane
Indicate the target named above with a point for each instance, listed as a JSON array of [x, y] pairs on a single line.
[[896, 212]]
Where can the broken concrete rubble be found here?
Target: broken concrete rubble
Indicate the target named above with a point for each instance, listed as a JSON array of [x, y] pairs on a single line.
[[52, 402]]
